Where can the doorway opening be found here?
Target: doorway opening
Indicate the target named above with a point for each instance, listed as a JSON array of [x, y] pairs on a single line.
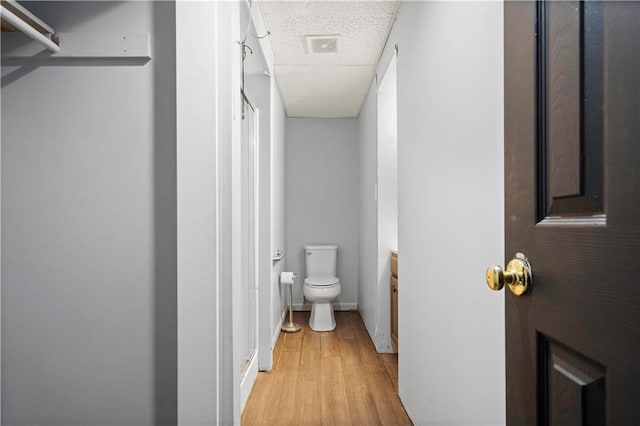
[[247, 238]]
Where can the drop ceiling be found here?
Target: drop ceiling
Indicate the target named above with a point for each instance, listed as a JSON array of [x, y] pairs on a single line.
[[326, 84]]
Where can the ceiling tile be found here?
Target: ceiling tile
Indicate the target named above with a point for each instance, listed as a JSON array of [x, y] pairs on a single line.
[[309, 80], [362, 26], [360, 40]]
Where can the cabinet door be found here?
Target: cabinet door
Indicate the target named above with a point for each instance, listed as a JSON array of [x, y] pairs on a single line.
[[394, 313]]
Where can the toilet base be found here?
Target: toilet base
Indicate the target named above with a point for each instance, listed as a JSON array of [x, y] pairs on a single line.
[[322, 318]]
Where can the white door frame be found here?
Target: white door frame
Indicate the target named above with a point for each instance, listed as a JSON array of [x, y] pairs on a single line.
[[382, 333], [208, 126], [241, 267]]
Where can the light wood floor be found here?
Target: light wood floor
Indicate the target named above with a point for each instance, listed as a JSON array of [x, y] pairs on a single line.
[[327, 378]]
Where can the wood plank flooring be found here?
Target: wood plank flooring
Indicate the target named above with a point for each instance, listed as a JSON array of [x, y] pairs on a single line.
[[332, 378]]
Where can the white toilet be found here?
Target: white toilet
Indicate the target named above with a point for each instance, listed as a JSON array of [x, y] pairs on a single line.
[[321, 285]]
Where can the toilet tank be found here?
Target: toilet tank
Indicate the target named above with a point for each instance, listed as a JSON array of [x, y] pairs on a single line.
[[321, 260]]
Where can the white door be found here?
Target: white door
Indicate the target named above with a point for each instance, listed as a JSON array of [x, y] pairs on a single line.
[[247, 239]]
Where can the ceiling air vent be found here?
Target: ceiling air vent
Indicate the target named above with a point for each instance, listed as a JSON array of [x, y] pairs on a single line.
[[322, 43]]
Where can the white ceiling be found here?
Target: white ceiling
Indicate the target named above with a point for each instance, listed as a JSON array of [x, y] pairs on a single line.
[[326, 84]]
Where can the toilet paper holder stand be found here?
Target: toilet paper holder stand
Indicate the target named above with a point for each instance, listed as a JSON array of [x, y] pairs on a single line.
[[291, 327]]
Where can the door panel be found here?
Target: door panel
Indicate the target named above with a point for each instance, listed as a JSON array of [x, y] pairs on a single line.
[[572, 150], [562, 49], [573, 387], [569, 107]]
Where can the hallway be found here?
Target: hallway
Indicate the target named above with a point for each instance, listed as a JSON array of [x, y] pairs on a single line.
[[129, 211], [327, 378]]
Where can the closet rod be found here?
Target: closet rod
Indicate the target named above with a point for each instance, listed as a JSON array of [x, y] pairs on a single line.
[[26, 15], [28, 29]]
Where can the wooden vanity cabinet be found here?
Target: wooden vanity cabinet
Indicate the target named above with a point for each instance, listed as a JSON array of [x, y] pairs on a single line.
[[394, 300]]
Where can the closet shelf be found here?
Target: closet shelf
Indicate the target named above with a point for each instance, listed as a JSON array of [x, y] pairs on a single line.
[[85, 46], [17, 21], [16, 18]]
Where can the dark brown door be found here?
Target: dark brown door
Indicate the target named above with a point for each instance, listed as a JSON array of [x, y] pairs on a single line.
[[572, 179]]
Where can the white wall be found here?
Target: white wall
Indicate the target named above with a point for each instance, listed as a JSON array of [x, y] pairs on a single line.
[[263, 93], [368, 254], [209, 373], [387, 200], [89, 227], [322, 197], [246, 192], [258, 90], [450, 159], [377, 127], [197, 175], [233, 222], [278, 208]]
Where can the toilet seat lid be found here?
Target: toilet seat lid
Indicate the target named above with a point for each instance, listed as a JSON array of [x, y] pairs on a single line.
[[320, 281]]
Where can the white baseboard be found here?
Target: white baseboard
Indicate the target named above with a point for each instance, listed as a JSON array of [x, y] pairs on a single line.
[[247, 382], [276, 332], [383, 344], [301, 307]]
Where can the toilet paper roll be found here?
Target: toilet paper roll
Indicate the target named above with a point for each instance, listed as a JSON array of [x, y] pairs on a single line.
[[287, 278]]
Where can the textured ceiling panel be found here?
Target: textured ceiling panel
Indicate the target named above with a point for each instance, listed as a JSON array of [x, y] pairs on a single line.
[[360, 46], [362, 26], [323, 80]]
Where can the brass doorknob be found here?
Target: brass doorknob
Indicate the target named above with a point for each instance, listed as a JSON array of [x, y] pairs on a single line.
[[517, 276]]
